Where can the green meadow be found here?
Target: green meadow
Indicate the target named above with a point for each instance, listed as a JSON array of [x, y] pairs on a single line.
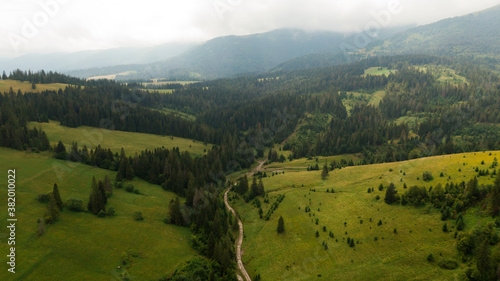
[[380, 252], [25, 86], [115, 140], [82, 246], [378, 71]]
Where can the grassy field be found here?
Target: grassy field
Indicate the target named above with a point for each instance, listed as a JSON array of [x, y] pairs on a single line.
[[159, 91], [378, 71], [115, 140], [81, 246], [179, 114], [352, 212], [444, 74], [25, 86], [170, 82]]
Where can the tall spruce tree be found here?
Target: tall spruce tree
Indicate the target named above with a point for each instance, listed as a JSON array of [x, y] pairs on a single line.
[[108, 187], [60, 151], [242, 185], [52, 210], [97, 199], [495, 196], [260, 188], [57, 197], [390, 194], [324, 173], [281, 225]]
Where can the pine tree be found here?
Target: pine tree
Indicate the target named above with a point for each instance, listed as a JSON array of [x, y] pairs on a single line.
[[242, 185], [260, 188], [108, 187], [190, 191], [483, 259], [324, 173], [97, 198], [174, 212], [57, 196], [254, 188], [60, 151], [281, 225], [390, 194], [495, 197], [52, 210]]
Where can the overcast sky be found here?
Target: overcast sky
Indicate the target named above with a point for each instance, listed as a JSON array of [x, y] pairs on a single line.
[[44, 26]]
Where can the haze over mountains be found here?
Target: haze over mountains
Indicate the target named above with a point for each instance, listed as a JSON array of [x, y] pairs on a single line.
[[279, 49]]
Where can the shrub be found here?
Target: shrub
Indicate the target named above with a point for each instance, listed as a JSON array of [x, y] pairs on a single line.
[[138, 216], [427, 176], [74, 204], [101, 214], [430, 258], [111, 211], [379, 223], [129, 188], [43, 198], [448, 264]]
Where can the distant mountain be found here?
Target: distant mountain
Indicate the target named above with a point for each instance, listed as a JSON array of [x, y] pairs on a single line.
[[476, 34], [233, 55], [95, 58]]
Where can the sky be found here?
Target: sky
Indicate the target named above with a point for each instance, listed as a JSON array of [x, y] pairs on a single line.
[[47, 26]]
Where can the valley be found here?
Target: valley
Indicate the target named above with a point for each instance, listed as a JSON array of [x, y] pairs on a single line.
[[278, 155]]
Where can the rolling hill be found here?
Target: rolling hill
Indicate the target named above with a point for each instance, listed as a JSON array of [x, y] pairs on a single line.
[[475, 34]]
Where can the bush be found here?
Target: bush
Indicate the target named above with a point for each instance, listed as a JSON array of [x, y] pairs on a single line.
[[448, 264], [129, 188], [101, 214], [427, 176], [74, 204], [111, 211], [430, 258], [43, 198], [138, 216]]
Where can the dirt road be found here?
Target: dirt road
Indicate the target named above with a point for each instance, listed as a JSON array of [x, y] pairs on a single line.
[[239, 241]]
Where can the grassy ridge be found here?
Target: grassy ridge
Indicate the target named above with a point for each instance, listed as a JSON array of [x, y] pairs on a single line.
[[299, 255], [81, 246], [115, 140], [25, 86]]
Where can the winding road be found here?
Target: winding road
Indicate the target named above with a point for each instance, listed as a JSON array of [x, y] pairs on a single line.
[[239, 241]]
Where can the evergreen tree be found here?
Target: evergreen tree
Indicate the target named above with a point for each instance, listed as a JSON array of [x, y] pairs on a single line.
[[242, 185], [483, 259], [495, 197], [97, 198], [174, 212], [190, 191], [60, 151], [52, 210], [445, 227], [125, 171], [391, 194], [324, 173], [281, 225], [108, 187], [260, 188], [57, 197], [254, 188]]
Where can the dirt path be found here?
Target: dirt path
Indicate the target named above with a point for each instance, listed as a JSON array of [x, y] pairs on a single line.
[[239, 241]]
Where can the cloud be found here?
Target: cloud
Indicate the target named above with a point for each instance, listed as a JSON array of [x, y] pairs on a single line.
[[93, 24]]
